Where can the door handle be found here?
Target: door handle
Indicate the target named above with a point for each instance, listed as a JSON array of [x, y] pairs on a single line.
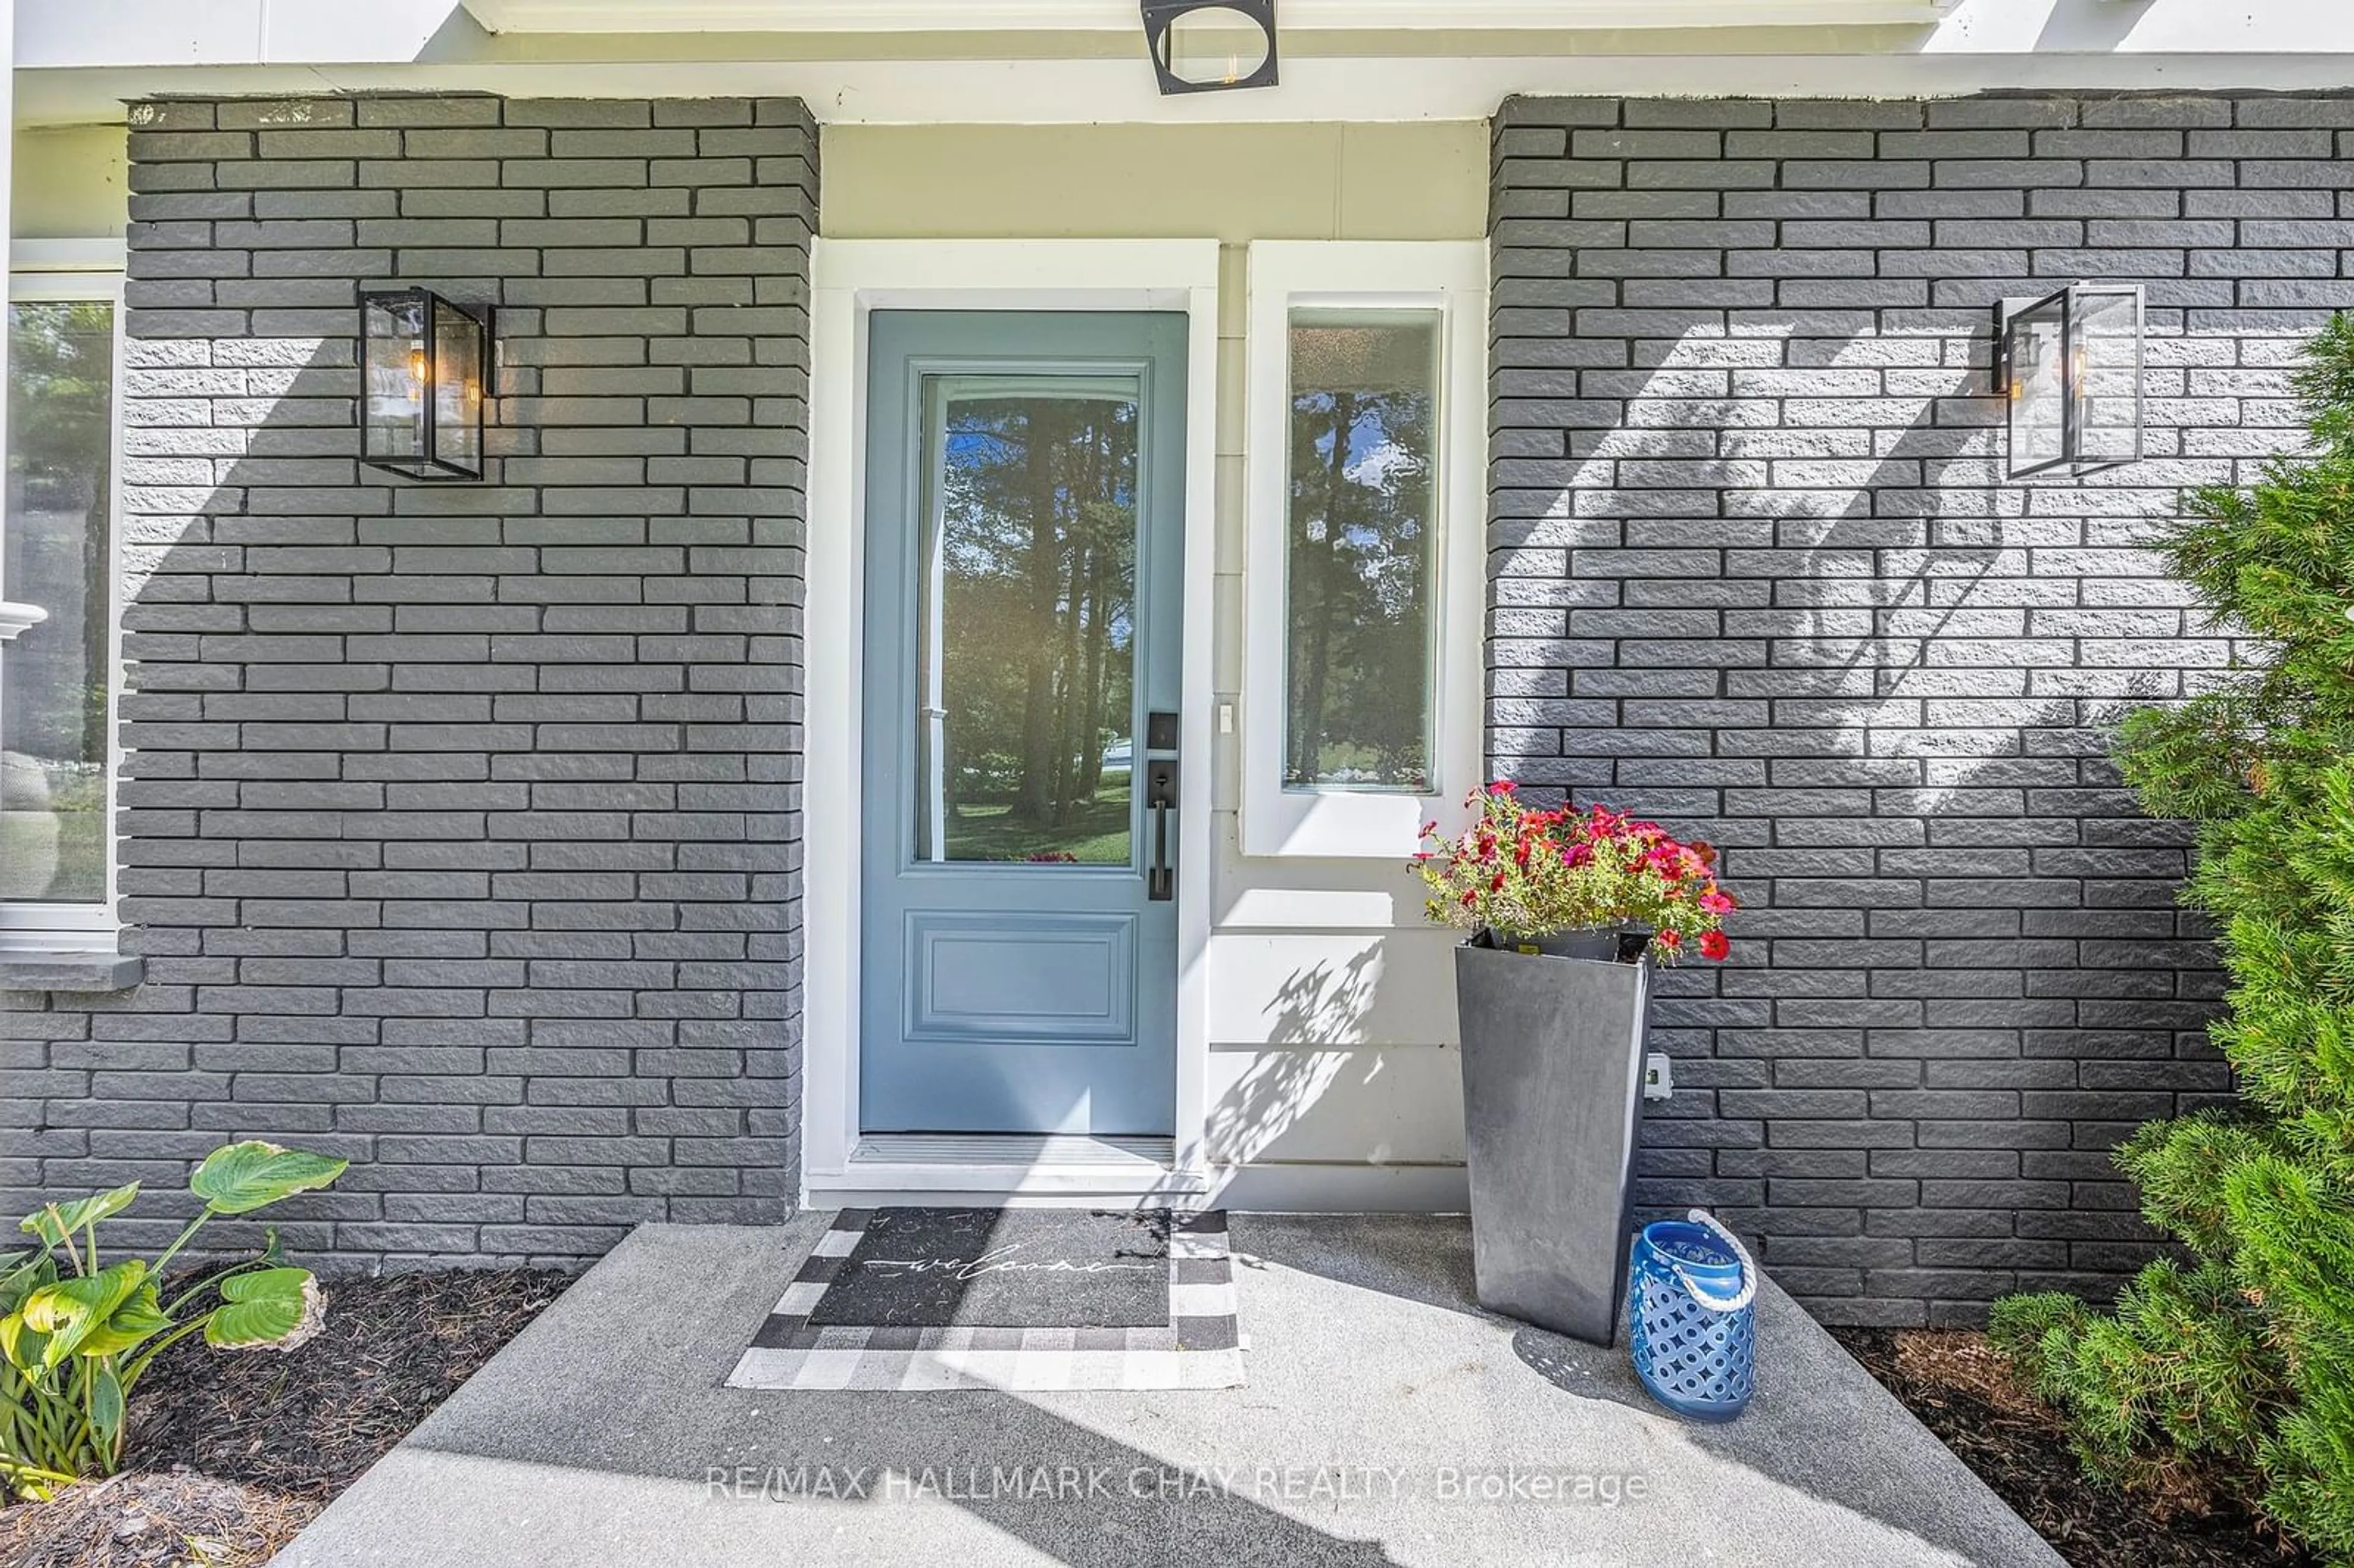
[[1160, 795]]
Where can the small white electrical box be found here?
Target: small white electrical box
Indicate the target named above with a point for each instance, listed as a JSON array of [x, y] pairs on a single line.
[[1659, 1076]]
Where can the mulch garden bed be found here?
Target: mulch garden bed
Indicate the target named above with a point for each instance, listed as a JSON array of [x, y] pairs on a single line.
[[231, 1453], [1965, 1391]]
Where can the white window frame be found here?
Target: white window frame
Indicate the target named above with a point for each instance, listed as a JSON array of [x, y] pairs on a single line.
[[1449, 277], [45, 270]]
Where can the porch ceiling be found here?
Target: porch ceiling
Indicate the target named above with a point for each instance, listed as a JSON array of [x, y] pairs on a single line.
[[1080, 62]]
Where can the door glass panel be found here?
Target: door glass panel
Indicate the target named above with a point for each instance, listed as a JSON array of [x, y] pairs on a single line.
[[1365, 404], [1025, 633]]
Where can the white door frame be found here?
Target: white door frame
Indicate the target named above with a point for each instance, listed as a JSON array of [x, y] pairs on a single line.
[[851, 278]]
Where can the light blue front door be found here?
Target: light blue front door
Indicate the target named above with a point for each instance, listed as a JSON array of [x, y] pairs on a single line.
[[1024, 515]]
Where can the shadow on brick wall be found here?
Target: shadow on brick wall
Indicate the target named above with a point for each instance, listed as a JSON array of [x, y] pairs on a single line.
[[1758, 574], [460, 823]]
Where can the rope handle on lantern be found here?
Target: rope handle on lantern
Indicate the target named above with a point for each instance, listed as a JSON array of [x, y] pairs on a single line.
[[1748, 1292]]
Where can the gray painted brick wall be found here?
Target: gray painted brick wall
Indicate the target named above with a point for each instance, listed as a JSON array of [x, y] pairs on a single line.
[[462, 828], [1756, 570]]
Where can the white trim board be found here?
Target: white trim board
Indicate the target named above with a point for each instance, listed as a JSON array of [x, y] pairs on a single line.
[[1120, 16], [849, 279], [46, 257], [1368, 89], [1272, 1188]]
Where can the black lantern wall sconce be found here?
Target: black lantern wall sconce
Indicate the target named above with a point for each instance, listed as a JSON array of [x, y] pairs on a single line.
[[1210, 45], [424, 367], [2070, 364]]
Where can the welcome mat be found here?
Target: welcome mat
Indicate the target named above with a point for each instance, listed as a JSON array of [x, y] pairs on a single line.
[[1007, 1298], [1003, 1268]]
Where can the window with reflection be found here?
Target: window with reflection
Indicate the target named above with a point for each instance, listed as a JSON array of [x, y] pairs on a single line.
[[1026, 631], [56, 553], [1359, 534]]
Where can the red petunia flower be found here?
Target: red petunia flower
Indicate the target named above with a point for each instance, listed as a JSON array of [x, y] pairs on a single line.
[[1716, 901], [1576, 855], [1668, 940], [1712, 944]]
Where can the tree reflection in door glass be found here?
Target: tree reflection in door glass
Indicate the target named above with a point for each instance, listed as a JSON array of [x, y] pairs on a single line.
[[1025, 656]]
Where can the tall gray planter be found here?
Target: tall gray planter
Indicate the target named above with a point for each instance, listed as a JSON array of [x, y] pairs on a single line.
[[1553, 1080]]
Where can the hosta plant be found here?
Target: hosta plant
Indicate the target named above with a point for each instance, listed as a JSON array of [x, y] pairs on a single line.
[[77, 1332], [1523, 871]]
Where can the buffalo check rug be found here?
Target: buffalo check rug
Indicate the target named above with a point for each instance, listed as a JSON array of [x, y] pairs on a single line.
[[1005, 1299]]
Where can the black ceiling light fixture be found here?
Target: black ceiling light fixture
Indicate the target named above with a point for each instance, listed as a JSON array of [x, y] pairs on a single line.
[[424, 363], [1210, 45]]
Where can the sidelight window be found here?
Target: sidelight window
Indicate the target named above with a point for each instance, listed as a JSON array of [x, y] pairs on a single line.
[[1367, 479]]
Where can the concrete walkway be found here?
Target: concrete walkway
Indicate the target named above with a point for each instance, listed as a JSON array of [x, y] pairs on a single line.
[[1387, 1421]]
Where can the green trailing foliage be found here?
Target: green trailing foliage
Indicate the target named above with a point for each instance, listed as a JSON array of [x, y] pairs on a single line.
[[2240, 1361], [2176, 1372], [78, 1333]]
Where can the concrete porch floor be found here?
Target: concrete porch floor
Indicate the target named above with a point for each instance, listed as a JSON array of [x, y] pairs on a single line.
[[1382, 1410]]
